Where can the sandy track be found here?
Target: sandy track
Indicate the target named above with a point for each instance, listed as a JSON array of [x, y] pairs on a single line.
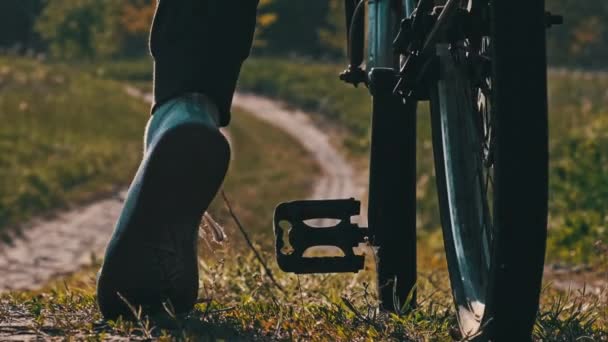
[[51, 247], [59, 245], [339, 179], [68, 241]]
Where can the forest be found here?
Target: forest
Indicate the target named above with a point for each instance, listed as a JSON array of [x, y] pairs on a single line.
[[311, 29]]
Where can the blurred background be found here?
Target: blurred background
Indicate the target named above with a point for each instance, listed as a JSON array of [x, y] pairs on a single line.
[[87, 29], [71, 134], [298, 52]]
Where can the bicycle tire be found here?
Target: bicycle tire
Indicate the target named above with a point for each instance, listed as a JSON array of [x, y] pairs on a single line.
[[496, 285]]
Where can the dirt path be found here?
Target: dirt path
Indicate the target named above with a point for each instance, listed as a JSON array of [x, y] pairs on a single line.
[[60, 245], [56, 246], [577, 279], [339, 180]]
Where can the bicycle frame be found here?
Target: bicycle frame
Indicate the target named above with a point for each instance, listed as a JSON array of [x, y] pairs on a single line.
[[382, 22], [382, 25], [392, 180], [392, 176], [405, 61]]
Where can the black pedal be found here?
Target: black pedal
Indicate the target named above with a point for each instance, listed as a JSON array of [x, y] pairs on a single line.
[[345, 235]]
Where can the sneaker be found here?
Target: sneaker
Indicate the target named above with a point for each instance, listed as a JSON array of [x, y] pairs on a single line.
[[151, 258]]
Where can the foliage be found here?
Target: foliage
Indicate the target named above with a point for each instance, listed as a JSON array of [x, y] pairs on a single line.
[[583, 39], [135, 21], [306, 28], [59, 141], [577, 132], [296, 28], [84, 147], [238, 302], [333, 35], [272, 159], [314, 87], [577, 101], [81, 28], [266, 18], [17, 18], [137, 16], [578, 182], [127, 70], [90, 28]]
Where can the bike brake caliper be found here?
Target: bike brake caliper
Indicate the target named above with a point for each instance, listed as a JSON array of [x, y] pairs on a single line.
[[289, 220]]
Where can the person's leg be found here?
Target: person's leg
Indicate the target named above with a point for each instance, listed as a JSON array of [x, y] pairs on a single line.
[[198, 47]]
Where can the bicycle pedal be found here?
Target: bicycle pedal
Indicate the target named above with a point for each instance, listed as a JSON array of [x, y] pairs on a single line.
[[289, 221]]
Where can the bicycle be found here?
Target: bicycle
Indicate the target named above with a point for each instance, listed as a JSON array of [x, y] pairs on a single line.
[[482, 66]]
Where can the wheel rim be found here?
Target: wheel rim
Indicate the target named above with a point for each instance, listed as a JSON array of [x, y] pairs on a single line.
[[467, 144]]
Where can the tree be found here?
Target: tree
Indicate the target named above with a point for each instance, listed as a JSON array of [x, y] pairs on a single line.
[[333, 35], [17, 18], [136, 18], [583, 39], [81, 28], [296, 27], [266, 18], [94, 28]]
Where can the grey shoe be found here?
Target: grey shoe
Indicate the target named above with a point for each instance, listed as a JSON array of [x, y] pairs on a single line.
[[152, 256]]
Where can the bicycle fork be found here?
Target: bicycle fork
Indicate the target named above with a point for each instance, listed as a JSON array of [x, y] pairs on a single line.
[[392, 182]]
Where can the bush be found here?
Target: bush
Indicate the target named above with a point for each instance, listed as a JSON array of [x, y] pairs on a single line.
[[65, 137], [81, 28], [579, 189]]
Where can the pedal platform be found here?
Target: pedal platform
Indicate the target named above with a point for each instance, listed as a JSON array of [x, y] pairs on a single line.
[[289, 222]]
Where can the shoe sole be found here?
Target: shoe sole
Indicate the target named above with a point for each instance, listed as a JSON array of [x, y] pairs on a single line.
[[179, 179]]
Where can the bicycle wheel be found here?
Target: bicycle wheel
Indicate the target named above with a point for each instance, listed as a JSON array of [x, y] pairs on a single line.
[[489, 117]]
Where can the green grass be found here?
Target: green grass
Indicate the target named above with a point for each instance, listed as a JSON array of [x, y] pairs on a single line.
[[269, 167], [578, 138], [316, 88], [65, 137], [238, 299], [579, 165], [71, 134], [239, 302]]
